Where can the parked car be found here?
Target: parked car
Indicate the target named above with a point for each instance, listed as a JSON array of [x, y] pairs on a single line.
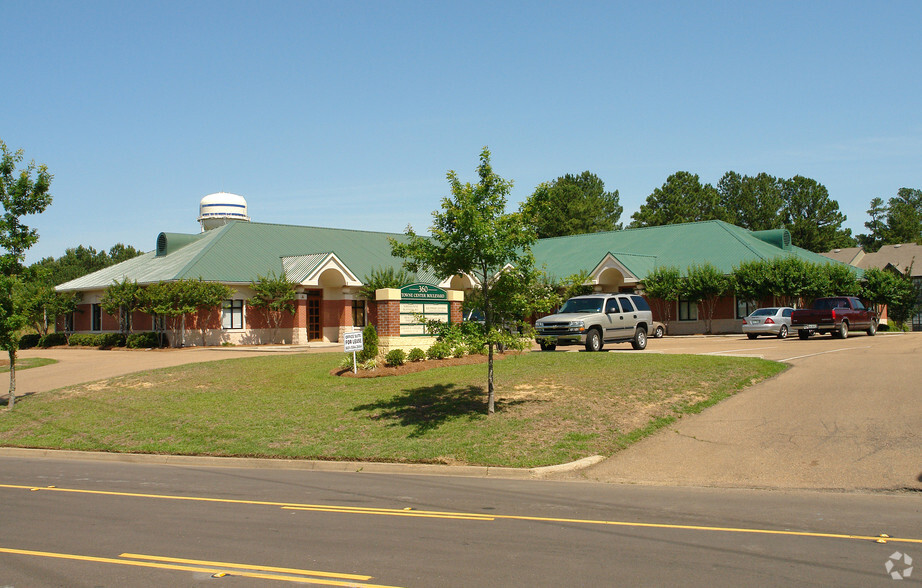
[[657, 330], [596, 319], [836, 315], [768, 321]]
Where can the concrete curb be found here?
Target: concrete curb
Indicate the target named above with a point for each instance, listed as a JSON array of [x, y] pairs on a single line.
[[307, 465]]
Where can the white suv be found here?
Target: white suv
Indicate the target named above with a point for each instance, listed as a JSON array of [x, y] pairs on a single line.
[[597, 319]]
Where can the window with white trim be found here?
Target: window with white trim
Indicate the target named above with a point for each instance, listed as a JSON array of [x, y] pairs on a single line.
[[232, 314], [95, 317], [744, 308]]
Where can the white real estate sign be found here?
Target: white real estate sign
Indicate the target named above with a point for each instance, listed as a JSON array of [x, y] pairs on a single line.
[[353, 341]]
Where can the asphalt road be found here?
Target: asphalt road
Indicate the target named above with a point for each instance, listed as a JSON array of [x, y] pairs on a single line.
[[81, 523]]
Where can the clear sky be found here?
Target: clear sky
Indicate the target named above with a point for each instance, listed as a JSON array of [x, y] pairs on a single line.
[[349, 114]]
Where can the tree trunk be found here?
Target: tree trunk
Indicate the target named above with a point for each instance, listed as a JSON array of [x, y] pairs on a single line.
[[490, 406], [12, 399]]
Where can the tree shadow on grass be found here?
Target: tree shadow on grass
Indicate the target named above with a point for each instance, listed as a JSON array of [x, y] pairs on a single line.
[[427, 408]]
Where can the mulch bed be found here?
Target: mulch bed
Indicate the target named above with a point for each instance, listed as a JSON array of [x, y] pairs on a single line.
[[419, 366]]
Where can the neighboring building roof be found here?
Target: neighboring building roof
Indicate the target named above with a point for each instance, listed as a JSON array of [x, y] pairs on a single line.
[[902, 257], [849, 255], [680, 245], [240, 251]]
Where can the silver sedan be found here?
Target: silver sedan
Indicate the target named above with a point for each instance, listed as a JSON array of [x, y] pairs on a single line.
[[768, 321]]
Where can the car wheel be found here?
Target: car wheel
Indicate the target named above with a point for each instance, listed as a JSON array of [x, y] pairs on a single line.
[[751, 335], [639, 342], [842, 331], [783, 332], [872, 330], [594, 340], [659, 332], [803, 334], [548, 346]]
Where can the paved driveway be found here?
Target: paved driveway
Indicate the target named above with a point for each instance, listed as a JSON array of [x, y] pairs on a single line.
[[848, 415]]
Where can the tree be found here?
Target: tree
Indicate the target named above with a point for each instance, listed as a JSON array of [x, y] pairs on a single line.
[[174, 300], [682, 199], [704, 283], [82, 260], [877, 226], [473, 235], [904, 217], [122, 299], [572, 205], [812, 218], [753, 203], [22, 193], [663, 285], [273, 296], [383, 278]]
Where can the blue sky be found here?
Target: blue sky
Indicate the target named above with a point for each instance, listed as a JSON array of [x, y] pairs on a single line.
[[349, 114]]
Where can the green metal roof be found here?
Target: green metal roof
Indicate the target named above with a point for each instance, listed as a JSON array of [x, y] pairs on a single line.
[[239, 252], [680, 245]]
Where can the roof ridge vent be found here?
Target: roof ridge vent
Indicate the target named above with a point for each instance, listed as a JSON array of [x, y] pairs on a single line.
[[780, 238], [169, 242]]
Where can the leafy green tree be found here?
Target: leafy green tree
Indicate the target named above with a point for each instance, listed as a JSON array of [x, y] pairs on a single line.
[[877, 227], [380, 278], [704, 283], [682, 199], [81, 260], [753, 203], [663, 285], [121, 299], [175, 300], [753, 280], [842, 280], [22, 193], [904, 217], [473, 235], [813, 218], [274, 297], [572, 205]]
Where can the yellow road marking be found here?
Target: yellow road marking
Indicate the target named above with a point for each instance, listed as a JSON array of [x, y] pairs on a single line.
[[228, 565], [471, 516], [189, 568]]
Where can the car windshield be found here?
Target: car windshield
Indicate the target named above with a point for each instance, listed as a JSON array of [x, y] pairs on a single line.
[[575, 305], [765, 312]]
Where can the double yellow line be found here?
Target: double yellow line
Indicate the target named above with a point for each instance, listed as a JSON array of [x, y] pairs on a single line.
[[409, 512], [214, 568]]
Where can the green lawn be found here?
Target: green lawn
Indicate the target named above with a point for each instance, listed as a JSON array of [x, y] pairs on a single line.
[[551, 408], [24, 363]]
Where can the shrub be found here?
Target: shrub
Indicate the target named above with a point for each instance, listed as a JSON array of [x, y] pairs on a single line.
[[109, 340], [370, 339], [52, 339], [395, 357], [371, 364], [29, 341], [346, 363], [439, 350], [148, 340], [459, 351], [416, 354], [85, 340]]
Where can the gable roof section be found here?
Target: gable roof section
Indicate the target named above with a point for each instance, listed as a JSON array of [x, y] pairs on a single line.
[[680, 245], [901, 257], [240, 251]]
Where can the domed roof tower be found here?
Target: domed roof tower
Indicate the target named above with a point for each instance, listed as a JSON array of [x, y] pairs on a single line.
[[216, 210]]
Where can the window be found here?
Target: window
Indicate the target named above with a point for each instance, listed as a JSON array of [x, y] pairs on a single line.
[[688, 310], [95, 318], [626, 305], [232, 314], [612, 306], [69, 322], [157, 323], [744, 308], [358, 313]]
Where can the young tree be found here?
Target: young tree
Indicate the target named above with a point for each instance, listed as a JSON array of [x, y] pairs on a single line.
[[121, 299], [704, 283], [753, 280], [175, 300], [663, 285], [274, 297], [682, 199], [22, 193], [572, 205], [473, 235]]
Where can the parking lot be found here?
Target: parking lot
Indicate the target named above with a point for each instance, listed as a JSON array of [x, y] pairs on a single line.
[[846, 416]]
